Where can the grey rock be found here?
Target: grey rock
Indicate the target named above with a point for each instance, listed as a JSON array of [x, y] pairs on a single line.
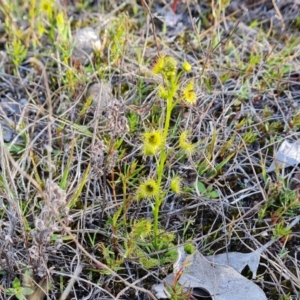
[[7, 132], [85, 40], [101, 95], [23, 101]]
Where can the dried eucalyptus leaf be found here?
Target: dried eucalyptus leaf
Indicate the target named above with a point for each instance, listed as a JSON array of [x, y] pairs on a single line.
[[222, 282], [287, 155], [237, 260]]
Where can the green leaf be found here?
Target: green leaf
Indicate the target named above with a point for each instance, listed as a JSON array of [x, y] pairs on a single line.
[[16, 283], [201, 187], [213, 195], [26, 291], [189, 248], [64, 179], [209, 188], [15, 149], [20, 295], [10, 291], [79, 188]]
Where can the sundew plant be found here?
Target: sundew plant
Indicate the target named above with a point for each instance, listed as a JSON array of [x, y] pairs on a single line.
[[158, 143]]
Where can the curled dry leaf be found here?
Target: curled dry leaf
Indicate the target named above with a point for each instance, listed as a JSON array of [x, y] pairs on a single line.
[[287, 155], [221, 281]]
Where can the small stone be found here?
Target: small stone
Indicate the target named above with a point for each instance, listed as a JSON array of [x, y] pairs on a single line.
[[7, 132], [101, 94], [23, 101], [86, 40]]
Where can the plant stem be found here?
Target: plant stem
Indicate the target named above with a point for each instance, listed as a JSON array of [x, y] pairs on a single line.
[[160, 171]]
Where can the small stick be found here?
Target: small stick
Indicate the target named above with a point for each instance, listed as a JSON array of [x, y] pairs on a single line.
[[174, 6], [152, 22]]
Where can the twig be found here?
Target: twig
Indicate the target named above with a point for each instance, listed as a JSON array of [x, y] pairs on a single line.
[[153, 26]]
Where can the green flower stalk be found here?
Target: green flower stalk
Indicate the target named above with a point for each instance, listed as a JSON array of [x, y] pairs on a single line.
[[167, 67], [154, 142]]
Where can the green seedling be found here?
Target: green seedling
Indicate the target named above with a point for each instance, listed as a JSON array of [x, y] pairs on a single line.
[[282, 202], [17, 52], [207, 192], [281, 231], [110, 258], [286, 297], [176, 290], [18, 291]]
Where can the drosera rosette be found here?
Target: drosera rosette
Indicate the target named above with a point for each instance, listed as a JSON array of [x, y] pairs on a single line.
[[153, 141], [142, 229], [188, 93], [163, 93], [186, 66], [176, 185], [170, 254], [46, 7], [184, 143], [166, 66], [159, 65], [148, 189]]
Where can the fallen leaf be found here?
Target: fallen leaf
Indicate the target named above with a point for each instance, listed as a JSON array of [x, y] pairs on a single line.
[[221, 281], [287, 155]]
